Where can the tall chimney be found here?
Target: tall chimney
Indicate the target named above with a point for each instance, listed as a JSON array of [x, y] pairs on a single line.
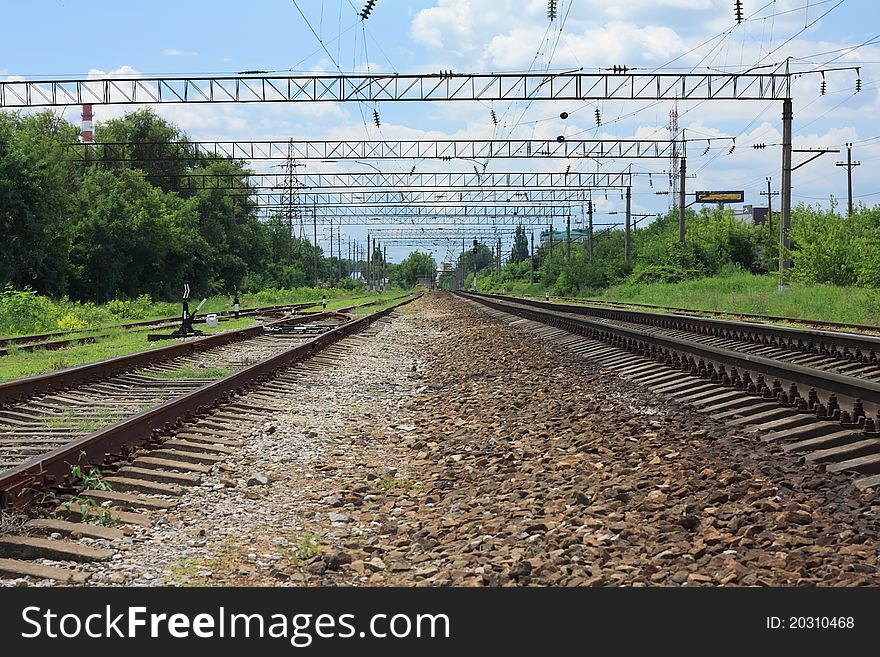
[[87, 133]]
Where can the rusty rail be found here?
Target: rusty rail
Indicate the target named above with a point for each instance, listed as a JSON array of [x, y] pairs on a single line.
[[20, 485]]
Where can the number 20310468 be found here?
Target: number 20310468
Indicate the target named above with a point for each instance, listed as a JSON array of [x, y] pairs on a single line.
[[810, 623]]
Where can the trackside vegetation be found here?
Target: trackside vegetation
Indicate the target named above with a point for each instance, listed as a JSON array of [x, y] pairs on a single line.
[[725, 264]]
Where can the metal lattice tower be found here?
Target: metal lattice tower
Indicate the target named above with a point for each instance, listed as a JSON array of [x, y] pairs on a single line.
[[290, 194], [674, 157]]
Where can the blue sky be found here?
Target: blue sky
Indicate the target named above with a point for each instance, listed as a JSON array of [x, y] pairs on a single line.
[[48, 38]]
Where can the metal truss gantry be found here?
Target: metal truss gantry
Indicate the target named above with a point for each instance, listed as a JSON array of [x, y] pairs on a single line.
[[417, 198], [573, 86], [463, 211], [410, 181], [437, 149], [507, 216]]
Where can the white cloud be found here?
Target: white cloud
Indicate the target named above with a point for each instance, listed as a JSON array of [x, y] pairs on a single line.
[[176, 52]]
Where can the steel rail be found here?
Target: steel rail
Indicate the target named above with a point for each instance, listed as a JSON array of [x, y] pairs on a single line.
[[641, 341], [830, 339], [23, 483], [18, 389], [724, 313], [12, 391], [35, 341]]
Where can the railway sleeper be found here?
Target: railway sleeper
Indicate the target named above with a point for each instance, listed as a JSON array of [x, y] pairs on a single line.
[[32, 547]]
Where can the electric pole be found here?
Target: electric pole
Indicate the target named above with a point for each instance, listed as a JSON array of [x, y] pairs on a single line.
[[369, 257], [568, 239], [590, 228], [769, 196], [849, 164], [315, 228], [532, 261], [628, 236], [681, 200], [785, 214]]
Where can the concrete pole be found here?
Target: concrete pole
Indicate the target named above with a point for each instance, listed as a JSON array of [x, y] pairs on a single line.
[[681, 200], [551, 241], [385, 268], [568, 239], [377, 271], [590, 229], [461, 271], [849, 180], [628, 236], [498, 256], [532, 261], [369, 279], [785, 217], [849, 164], [315, 227], [769, 208]]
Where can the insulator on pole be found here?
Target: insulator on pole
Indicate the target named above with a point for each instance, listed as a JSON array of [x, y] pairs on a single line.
[[365, 12], [551, 9], [738, 11], [376, 118]]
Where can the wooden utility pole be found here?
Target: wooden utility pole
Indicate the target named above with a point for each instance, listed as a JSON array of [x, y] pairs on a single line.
[[849, 164]]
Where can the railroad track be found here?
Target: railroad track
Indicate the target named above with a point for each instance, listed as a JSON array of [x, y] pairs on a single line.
[[40, 413], [814, 392], [62, 339], [816, 323], [148, 460]]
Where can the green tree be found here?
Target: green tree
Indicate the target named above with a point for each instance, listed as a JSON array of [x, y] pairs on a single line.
[[520, 250], [132, 238], [416, 265], [150, 144], [36, 182]]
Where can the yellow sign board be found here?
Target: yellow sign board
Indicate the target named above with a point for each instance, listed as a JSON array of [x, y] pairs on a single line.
[[721, 197]]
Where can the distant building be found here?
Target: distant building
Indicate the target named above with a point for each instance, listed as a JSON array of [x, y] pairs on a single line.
[[578, 235], [751, 214], [446, 268]]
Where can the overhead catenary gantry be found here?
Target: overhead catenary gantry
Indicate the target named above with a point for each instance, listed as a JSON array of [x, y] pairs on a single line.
[[573, 86], [444, 86], [452, 216], [406, 213], [389, 149], [417, 180], [414, 198]]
